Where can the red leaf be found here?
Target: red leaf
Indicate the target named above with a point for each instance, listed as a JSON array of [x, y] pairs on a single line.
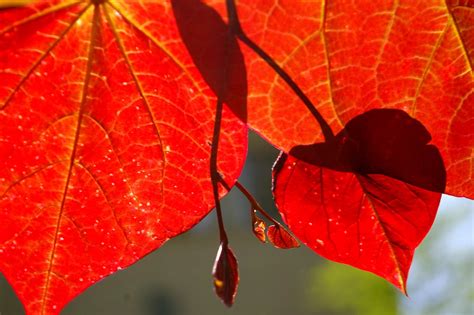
[[351, 57], [226, 275], [105, 125], [368, 197], [281, 238]]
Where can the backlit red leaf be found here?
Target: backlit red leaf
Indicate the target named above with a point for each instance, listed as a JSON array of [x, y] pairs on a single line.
[[366, 198], [349, 57], [105, 132]]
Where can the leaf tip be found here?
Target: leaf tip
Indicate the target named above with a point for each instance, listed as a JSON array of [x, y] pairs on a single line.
[[397, 279], [402, 285]]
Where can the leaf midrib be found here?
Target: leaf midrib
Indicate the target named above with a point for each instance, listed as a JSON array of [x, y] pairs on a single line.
[[93, 38]]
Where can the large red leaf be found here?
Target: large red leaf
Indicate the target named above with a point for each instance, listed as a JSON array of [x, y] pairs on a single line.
[[367, 197], [106, 127], [349, 57]]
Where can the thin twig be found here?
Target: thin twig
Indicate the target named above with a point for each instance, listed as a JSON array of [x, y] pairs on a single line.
[[254, 203], [236, 28], [215, 177]]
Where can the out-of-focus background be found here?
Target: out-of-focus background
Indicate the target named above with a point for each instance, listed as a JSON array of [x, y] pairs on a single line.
[[176, 279]]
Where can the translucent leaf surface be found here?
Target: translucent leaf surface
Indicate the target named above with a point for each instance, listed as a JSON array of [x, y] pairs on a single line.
[[105, 139]]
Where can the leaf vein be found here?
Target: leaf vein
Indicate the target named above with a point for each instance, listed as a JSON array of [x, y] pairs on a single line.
[[45, 54]]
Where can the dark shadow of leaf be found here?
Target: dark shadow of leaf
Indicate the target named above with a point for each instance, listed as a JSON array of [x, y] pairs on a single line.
[[215, 52], [381, 141]]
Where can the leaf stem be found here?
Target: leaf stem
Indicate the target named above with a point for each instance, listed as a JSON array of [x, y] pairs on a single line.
[[254, 203], [215, 177], [237, 30]]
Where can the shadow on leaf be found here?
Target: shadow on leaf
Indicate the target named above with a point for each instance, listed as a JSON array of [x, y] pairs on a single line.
[[215, 52], [381, 141]]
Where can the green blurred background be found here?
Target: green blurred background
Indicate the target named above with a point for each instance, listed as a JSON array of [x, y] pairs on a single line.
[[176, 279]]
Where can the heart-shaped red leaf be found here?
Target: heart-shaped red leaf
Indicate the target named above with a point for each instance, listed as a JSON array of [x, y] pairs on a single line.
[[105, 132], [366, 198]]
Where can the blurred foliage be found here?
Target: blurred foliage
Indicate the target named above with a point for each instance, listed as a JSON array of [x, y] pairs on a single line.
[[343, 290]]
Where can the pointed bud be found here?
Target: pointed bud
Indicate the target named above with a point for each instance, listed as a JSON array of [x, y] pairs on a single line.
[[258, 227], [226, 275], [281, 238]]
